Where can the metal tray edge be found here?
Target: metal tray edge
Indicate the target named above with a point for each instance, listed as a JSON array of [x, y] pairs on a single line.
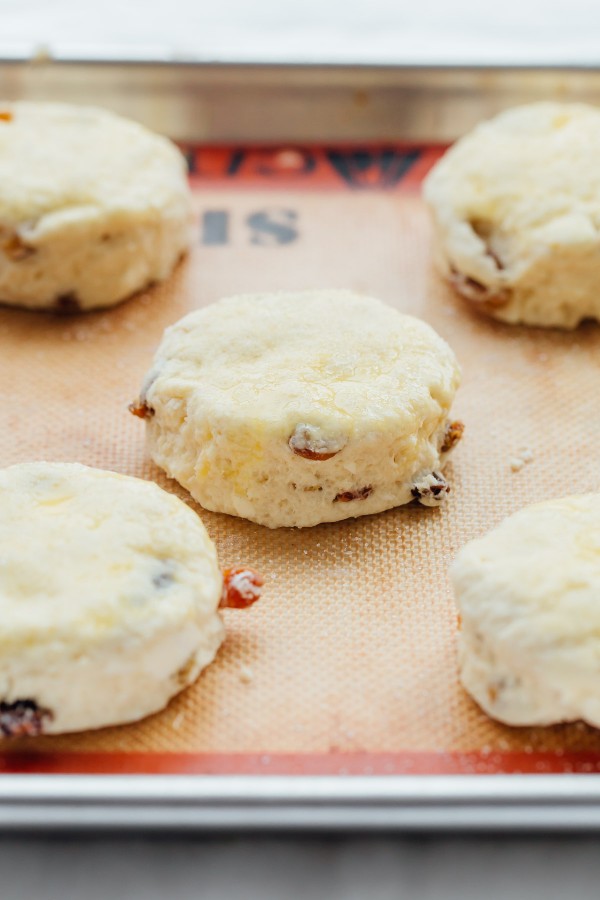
[[215, 803], [273, 103]]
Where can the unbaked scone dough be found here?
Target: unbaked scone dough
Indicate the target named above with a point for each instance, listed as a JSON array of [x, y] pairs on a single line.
[[516, 205], [292, 409], [93, 207], [109, 589], [529, 600]]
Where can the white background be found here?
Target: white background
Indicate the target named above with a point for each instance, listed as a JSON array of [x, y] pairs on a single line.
[[471, 31], [370, 31]]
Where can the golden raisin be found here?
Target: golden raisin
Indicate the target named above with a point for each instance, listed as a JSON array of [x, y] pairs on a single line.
[[347, 496], [22, 718], [308, 443], [16, 249], [141, 409], [305, 453], [454, 433]]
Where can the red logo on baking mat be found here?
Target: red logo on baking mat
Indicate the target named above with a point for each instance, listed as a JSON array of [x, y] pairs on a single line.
[[387, 168]]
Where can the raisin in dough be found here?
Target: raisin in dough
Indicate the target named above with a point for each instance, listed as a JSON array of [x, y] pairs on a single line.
[[292, 409], [109, 589], [93, 207], [529, 599], [516, 206]]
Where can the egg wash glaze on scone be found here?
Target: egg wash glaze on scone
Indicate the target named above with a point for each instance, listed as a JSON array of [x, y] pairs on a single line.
[[528, 593], [109, 596], [516, 209], [93, 207], [292, 409]]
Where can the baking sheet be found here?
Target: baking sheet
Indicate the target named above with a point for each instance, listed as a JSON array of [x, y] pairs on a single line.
[[348, 664], [234, 103]]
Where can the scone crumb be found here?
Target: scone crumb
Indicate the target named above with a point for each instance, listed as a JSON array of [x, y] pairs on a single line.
[[177, 721], [246, 674], [517, 462]]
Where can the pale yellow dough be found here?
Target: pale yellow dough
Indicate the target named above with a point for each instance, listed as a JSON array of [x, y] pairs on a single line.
[[529, 598], [93, 207], [242, 391], [516, 207], [109, 589]]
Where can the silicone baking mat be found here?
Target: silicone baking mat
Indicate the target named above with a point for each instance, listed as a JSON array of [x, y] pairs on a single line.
[[348, 662]]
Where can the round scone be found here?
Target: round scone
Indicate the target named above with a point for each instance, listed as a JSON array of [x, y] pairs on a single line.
[[109, 589], [516, 206], [93, 207], [292, 409], [529, 600]]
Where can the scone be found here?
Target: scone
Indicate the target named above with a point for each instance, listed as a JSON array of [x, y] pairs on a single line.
[[529, 599], [109, 590], [93, 207], [292, 409], [516, 206]]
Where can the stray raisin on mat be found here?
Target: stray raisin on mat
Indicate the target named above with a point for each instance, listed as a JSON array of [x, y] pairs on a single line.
[[241, 588], [22, 718]]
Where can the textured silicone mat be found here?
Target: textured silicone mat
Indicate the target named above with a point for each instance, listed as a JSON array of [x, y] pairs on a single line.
[[348, 663]]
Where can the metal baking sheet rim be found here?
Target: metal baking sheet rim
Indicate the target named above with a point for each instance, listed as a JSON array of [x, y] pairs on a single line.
[[439, 103], [273, 103], [219, 803]]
